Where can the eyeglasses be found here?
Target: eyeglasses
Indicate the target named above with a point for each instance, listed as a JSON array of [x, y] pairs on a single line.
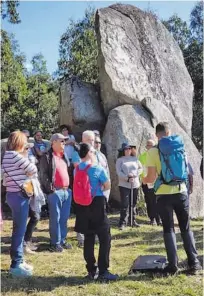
[[97, 142]]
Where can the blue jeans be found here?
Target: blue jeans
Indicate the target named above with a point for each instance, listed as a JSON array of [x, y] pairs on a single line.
[[59, 203], [19, 207]]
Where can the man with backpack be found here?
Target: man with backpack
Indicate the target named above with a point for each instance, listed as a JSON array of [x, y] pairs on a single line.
[[167, 164]]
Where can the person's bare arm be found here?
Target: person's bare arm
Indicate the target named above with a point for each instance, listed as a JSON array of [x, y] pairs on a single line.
[[151, 175], [106, 186]]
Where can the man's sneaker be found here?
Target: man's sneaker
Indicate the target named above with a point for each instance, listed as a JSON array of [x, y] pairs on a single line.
[[107, 276], [27, 266], [27, 250], [20, 271], [80, 244], [31, 246], [193, 268], [135, 224], [121, 227], [91, 276], [56, 248], [170, 269], [66, 246], [152, 222]]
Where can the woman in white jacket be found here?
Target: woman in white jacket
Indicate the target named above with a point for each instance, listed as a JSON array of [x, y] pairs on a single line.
[[128, 169]]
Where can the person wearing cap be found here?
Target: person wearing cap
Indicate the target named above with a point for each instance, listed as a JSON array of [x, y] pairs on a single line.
[[148, 189], [128, 169], [55, 183]]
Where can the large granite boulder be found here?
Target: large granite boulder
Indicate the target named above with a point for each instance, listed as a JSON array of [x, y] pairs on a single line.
[[139, 58], [80, 106], [133, 124]]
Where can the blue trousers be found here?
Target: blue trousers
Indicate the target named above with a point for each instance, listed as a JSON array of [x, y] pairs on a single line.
[[20, 208], [59, 203]]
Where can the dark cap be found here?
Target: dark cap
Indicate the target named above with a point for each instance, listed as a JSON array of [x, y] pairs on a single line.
[[124, 146]]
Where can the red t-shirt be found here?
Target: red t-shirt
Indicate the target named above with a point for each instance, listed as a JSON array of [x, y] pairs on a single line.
[[61, 175]]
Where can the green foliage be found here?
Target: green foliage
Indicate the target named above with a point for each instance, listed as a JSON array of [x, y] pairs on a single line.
[[179, 29], [28, 100], [190, 40], [78, 50], [9, 11]]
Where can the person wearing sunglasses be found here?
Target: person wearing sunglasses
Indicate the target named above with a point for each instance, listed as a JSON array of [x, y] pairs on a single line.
[[102, 160], [55, 182], [128, 169]]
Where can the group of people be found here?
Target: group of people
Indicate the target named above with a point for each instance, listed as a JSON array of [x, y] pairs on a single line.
[[57, 166]]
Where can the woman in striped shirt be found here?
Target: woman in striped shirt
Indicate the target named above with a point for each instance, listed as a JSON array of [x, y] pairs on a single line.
[[16, 168]]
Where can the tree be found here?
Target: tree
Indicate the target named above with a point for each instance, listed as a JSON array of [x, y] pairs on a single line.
[[41, 108], [28, 99], [179, 29], [9, 11], [190, 40], [13, 85], [78, 50]]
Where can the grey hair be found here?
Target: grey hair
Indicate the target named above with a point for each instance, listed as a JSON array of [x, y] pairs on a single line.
[[87, 134]]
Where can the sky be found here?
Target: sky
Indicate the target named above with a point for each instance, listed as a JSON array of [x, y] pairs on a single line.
[[43, 22]]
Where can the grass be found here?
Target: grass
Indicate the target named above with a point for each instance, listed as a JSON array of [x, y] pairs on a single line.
[[63, 274]]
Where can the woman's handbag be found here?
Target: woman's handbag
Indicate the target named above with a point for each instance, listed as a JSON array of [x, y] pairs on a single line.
[[26, 188]]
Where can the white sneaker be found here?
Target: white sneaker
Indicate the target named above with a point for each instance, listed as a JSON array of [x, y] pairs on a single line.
[[27, 266], [20, 271], [27, 250]]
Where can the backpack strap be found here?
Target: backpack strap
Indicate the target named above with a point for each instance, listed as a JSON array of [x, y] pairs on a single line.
[[87, 167]]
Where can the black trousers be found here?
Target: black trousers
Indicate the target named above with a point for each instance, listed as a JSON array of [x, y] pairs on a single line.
[[104, 237], [169, 203], [151, 202], [125, 209], [92, 220], [34, 218]]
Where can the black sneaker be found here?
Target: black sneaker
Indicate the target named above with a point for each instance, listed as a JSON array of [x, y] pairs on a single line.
[[152, 222], [66, 246], [56, 248], [107, 276], [121, 227], [135, 224], [193, 268], [170, 269], [80, 245]]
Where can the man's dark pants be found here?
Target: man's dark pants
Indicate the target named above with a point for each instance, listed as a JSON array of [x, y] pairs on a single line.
[[150, 200], [178, 203], [98, 224], [34, 218]]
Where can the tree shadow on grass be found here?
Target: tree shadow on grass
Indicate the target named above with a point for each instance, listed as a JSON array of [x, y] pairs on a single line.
[[38, 283], [46, 283]]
